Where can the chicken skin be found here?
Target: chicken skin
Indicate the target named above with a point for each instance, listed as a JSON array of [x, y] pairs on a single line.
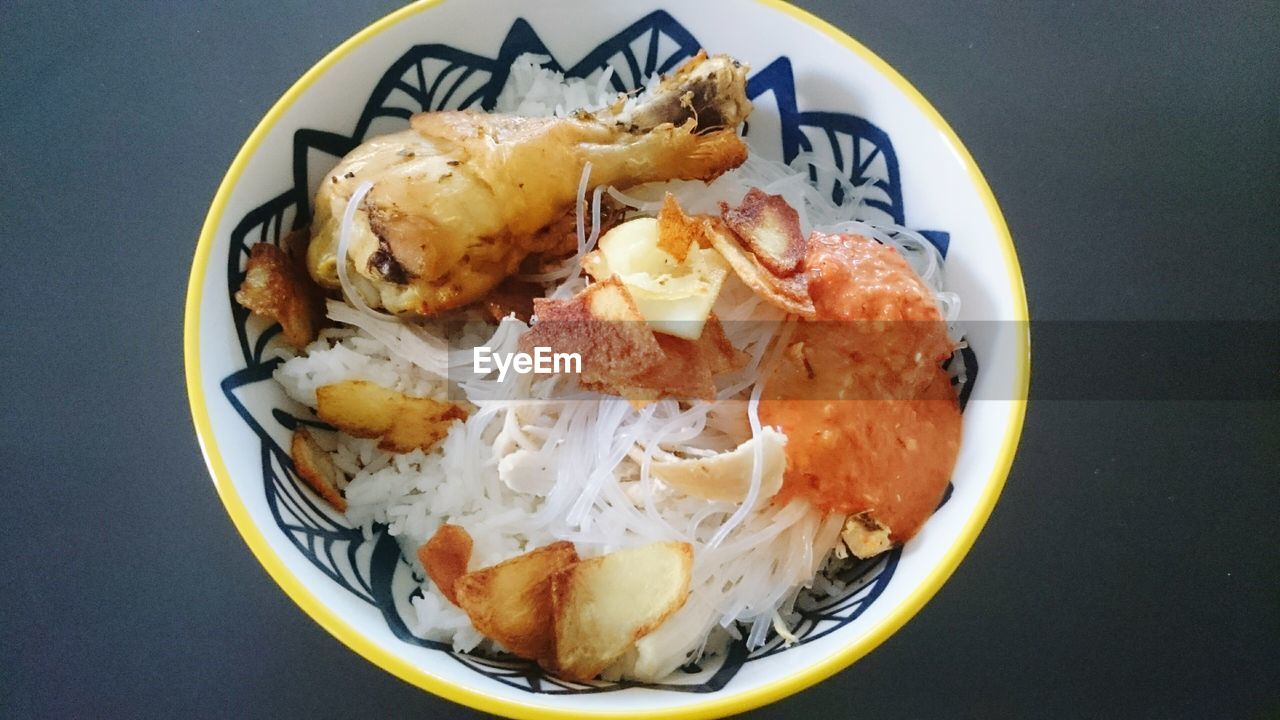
[[462, 198]]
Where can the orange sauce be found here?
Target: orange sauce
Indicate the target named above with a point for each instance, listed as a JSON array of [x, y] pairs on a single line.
[[871, 419]]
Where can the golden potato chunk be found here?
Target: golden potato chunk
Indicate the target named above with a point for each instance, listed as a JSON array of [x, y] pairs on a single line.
[[511, 602], [316, 468], [367, 410], [274, 287], [603, 605], [445, 557]]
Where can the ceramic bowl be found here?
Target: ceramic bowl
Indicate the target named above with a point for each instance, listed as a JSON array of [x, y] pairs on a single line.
[[815, 89]]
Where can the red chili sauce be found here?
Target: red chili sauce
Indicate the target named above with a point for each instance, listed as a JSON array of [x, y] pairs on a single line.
[[870, 416]]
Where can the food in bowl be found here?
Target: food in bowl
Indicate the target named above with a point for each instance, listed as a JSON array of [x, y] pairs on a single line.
[[752, 389]]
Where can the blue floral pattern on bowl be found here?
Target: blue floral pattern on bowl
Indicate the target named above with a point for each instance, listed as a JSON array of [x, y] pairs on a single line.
[[436, 77]]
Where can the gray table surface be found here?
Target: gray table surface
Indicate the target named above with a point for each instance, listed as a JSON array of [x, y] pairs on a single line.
[[1131, 568]]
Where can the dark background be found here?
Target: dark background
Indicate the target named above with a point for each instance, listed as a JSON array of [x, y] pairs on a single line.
[[1131, 569]]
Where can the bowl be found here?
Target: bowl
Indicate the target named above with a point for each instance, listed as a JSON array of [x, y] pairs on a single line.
[[815, 89]]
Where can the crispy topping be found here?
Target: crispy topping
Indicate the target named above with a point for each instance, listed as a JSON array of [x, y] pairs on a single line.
[[716, 351], [445, 557], [688, 368], [602, 325], [770, 228], [279, 289], [790, 293], [864, 537], [677, 232], [680, 374], [621, 355], [664, 264], [316, 468]]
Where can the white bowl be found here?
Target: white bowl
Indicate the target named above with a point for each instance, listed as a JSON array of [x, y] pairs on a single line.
[[813, 86]]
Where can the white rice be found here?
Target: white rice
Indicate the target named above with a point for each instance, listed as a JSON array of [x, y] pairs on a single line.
[[538, 461]]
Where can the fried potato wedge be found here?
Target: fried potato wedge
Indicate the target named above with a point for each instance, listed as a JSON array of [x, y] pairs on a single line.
[[420, 424], [316, 468], [511, 602], [604, 604], [445, 558], [770, 228], [275, 287], [402, 423], [358, 407], [727, 475], [790, 293]]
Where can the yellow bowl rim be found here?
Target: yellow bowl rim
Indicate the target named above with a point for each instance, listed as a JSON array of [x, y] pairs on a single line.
[[712, 707]]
